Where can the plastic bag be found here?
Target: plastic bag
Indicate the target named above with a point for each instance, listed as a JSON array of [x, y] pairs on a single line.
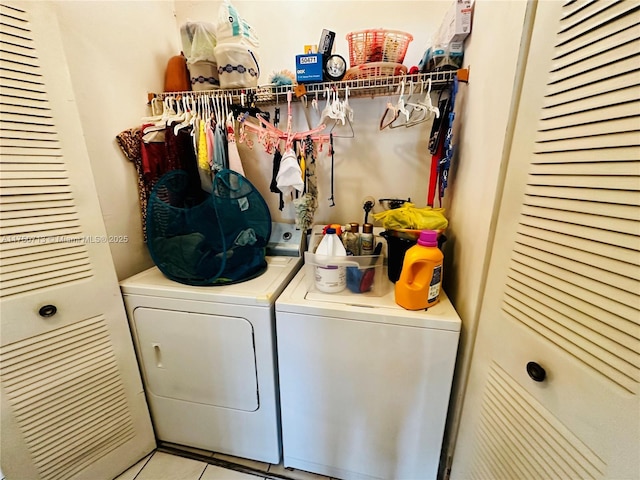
[[232, 28], [198, 41], [238, 66], [442, 57], [198, 45], [409, 217]]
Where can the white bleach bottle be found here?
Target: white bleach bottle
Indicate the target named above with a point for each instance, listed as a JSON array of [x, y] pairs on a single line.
[[330, 278]]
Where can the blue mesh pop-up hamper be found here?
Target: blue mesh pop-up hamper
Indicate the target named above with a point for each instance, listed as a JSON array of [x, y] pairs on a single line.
[[208, 239]]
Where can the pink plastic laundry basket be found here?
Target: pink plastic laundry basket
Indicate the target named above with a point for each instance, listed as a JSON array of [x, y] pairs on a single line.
[[377, 45], [375, 70]]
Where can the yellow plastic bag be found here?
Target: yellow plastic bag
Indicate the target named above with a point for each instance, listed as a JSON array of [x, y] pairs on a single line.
[[409, 217]]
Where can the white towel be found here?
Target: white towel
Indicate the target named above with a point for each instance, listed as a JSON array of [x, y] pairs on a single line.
[[289, 175]]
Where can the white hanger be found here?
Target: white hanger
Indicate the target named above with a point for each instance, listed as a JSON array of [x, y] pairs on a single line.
[[227, 104], [189, 114], [327, 108], [424, 108], [337, 109], [179, 113], [401, 103], [347, 108], [167, 113], [157, 109], [203, 107], [429, 105], [396, 110]]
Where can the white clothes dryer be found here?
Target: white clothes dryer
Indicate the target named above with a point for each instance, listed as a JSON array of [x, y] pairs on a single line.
[[207, 357], [364, 383]]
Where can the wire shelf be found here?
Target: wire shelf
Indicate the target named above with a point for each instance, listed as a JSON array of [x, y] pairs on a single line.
[[372, 87]]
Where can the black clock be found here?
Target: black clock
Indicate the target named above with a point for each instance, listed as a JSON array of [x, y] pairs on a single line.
[[335, 66]]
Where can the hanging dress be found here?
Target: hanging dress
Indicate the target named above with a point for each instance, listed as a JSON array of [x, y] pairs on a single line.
[[220, 156], [204, 168], [235, 163]]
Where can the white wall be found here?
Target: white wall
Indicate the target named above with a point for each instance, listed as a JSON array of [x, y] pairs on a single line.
[[285, 26], [117, 51], [391, 163]]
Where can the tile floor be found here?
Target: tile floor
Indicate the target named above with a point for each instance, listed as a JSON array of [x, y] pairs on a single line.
[[160, 465]]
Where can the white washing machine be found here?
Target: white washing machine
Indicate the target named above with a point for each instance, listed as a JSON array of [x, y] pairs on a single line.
[[364, 384], [207, 357]]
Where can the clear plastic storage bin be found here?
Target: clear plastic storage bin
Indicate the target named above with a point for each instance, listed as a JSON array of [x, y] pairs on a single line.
[[363, 275]]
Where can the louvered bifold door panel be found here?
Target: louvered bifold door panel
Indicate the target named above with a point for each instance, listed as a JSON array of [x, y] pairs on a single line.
[[53, 248], [580, 221], [72, 401], [539, 446], [41, 234], [68, 397], [563, 288]]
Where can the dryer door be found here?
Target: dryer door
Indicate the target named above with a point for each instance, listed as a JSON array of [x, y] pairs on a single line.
[[201, 358]]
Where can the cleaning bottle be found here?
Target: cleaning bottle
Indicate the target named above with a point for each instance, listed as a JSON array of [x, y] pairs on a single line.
[[350, 239], [421, 277], [366, 239], [330, 278]]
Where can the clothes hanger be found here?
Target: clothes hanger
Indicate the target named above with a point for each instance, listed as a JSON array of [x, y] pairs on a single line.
[[157, 110], [187, 115], [167, 113], [250, 109], [389, 115], [242, 133], [400, 108], [337, 111], [179, 112], [436, 128], [305, 110], [425, 107], [269, 135], [347, 108], [419, 111], [392, 112], [226, 103], [327, 107], [214, 112], [344, 115], [351, 132]]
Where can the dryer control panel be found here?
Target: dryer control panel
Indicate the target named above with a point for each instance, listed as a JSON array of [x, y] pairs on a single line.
[[286, 240]]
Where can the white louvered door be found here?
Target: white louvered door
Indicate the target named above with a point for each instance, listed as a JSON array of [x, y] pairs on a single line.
[[563, 289], [72, 399]]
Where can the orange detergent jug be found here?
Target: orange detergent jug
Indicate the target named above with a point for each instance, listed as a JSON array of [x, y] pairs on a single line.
[[421, 277]]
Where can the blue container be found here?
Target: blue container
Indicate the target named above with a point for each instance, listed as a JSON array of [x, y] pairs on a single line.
[[309, 68]]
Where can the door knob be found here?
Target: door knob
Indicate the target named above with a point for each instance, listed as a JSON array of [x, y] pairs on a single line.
[[47, 311], [536, 372]]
